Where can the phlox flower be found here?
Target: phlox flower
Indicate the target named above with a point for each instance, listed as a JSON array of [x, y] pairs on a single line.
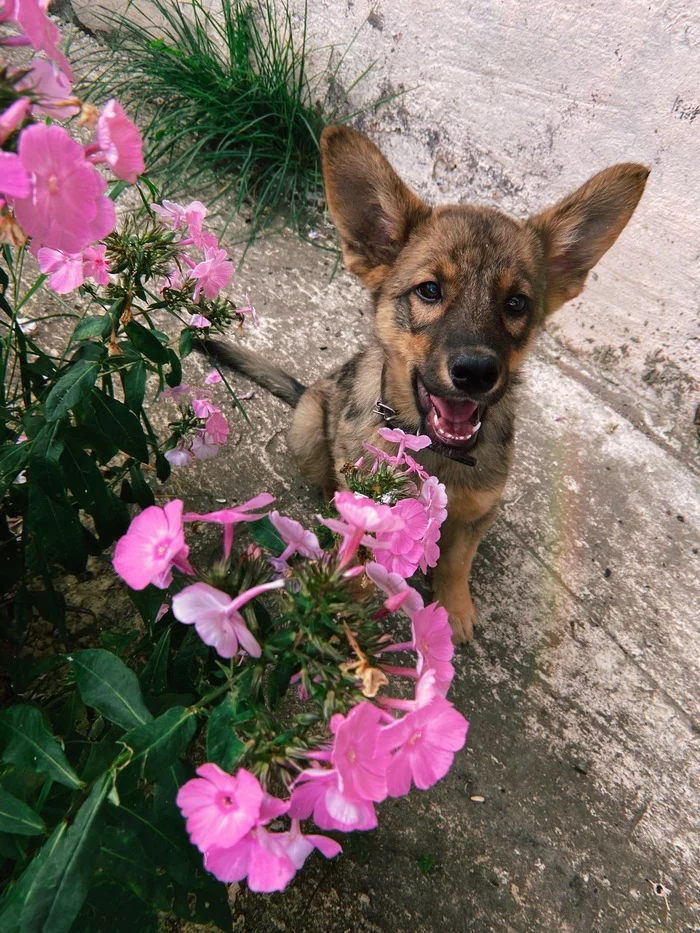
[[50, 86], [358, 755], [317, 793], [198, 320], [216, 427], [203, 407], [119, 143], [249, 309], [297, 539], [212, 378], [400, 551], [11, 118], [216, 618], [95, 264], [65, 270], [432, 639], [176, 393], [170, 212], [213, 274], [179, 456], [14, 179], [219, 808], [66, 208], [300, 846], [30, 16], [434, 496], [410, 441], [401, 595], [230, 517], [154, 543], [425, 742], [203, 446], [195, 212]]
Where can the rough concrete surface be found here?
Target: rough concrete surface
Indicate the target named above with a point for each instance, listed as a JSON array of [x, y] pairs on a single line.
[[581, 685]]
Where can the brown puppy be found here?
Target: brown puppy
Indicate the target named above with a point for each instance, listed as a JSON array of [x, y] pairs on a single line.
[[459, 294]]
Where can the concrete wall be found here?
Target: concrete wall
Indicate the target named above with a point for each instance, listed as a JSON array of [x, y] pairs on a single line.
[[515, 103]]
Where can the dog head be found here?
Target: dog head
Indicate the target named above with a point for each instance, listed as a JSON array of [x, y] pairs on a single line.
[[461, 291]]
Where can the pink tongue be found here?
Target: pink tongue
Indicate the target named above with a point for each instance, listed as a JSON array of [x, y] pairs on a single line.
[[453, 411]]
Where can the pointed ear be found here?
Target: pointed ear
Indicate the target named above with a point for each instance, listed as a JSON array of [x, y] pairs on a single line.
[[579, 230], [372, 208]]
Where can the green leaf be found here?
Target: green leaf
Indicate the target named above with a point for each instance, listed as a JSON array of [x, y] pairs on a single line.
[[146, 342], [154, 677], [279, 679], [165, 841], [55, 532], [44, 459], [17, 817], [106, 684], [120, 424], [266, 535], [134, 382], [14, 899], [143, 494], [71, 388], [63, 881], [174, 377], [13, 459], [122, 859], [93, 327], [29, 744], [159, 743], [185, 342], [148, 601], [91, 491], [223, 745], [163, 468]]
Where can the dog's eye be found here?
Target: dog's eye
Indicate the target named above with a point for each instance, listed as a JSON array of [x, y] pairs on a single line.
[[428, 291], [516, 304]]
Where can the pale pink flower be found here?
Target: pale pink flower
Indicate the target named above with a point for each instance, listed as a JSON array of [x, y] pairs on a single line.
[[220, 808], [216, 427], [213, 274], [300, 846], [11, 118], [154, 543], [401, 595], [198, 320], [230, 517], [434, 496], [212, 378], [65, 270], [216, 618], [249, 309], [52, 89], [358, 754], [364, 513], [195, 212], [95, 264], [203, 407], [296, 537], [120, 143], [432, 639], [400, 551], [176, 393], [65, 208], [171, 212], [316, 792], [175, 278], [178, 456], [410, 441], [14, 179], [30, 16], [425, 741], [203, 446]]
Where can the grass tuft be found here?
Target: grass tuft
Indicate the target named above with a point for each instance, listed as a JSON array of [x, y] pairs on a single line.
[[224, 95]]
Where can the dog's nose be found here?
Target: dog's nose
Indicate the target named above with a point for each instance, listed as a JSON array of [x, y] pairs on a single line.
[[474, 373]]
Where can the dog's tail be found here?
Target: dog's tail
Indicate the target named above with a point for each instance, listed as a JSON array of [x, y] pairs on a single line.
[[265, 374]]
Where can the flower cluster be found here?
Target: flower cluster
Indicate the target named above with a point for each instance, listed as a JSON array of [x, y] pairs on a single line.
[[367, 740], [201, 429]]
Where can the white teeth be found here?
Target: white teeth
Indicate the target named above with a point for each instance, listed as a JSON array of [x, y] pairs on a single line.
[[477, 426]]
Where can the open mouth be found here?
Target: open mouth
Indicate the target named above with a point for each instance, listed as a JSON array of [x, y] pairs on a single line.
[[453, 423]]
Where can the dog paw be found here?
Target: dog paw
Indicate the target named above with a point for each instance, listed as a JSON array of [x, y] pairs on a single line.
[[463, 625]]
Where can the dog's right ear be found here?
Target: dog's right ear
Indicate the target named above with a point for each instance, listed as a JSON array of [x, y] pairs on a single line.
[[371, 207]]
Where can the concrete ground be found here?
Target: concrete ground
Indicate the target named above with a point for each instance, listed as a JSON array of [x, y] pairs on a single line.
[[575, 805]]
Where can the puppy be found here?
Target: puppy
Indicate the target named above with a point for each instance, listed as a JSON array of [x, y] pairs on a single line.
[[459, 295]]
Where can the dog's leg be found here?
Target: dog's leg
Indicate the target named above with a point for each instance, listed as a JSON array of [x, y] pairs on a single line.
[[458, 543], [308, 439]]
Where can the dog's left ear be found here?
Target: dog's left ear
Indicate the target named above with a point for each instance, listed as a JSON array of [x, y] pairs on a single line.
[[372, 208], [579, 230]]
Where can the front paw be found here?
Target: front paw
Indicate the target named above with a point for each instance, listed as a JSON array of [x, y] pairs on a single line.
[[463, 622]]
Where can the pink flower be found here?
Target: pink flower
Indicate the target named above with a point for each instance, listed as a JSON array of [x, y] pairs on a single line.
[[198, 320], [296, 537], [434, 496], [195, 212], [249, 309], [229, 517], [14, 180], [178, 456], [171, 212], [52, 89], [400, 551], [120, 142], [358, 754], [401, 595], [30, 16], [217, 427], [364, 513], [203, 407], [95, 264], [317, 791], [154, 543], [300, 846], [11, 118], [220, 808], [216, 618], [425, 741], [65, 270], [212, 378], [213, 274], [203, 446], [65, 208], [176, 393], [397, 436], [261, 856], [432, 639]]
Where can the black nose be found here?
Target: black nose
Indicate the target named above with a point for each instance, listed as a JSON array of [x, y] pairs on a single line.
[[474, 373]]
